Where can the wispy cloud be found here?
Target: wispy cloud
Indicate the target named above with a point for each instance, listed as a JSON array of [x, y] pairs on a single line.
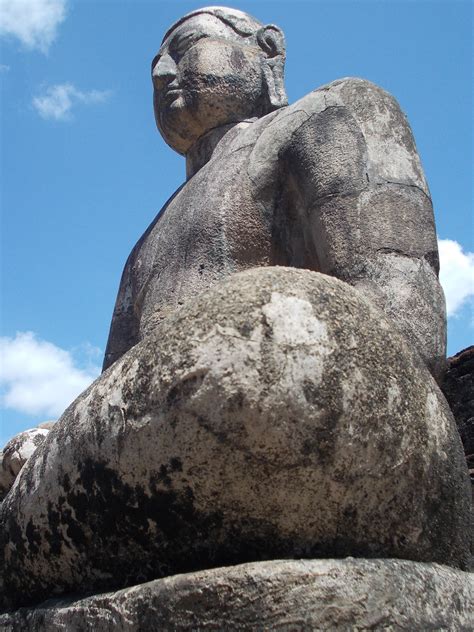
[[58, 101], [33, 22], [456, 275], [4, 68], [39, 378]]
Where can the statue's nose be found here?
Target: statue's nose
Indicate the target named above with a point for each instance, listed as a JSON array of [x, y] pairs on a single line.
[[163, 72]]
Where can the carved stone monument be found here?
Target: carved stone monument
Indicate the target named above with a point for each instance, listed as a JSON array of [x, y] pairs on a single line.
[[332, 183], [269, 389]]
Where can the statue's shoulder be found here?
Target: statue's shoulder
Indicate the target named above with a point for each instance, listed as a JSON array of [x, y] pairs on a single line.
[[354, 94], [350, 92], [364, 102], [359, 117]]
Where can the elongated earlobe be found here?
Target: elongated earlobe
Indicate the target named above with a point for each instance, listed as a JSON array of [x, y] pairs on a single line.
[[272, 42]]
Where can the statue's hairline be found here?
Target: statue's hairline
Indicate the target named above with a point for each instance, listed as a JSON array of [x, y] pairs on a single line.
[[219, 16]]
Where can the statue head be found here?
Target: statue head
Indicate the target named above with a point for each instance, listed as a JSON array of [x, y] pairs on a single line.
[[216, 66]]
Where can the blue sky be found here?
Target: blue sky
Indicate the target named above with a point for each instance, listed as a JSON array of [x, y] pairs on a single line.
[[83, 170]]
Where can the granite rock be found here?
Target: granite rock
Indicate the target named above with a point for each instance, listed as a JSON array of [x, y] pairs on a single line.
[[15, 454], [298, 595], [458, 387], [278, 415]]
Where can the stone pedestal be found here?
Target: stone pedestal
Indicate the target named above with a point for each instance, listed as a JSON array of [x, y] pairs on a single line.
[[347, 594]]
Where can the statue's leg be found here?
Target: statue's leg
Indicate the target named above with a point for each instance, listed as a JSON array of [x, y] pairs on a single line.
[[279, 415]]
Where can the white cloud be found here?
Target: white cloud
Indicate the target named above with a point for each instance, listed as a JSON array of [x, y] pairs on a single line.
[[33, 22], [4, 68], [57, 101], [39, 378], [456, 275]]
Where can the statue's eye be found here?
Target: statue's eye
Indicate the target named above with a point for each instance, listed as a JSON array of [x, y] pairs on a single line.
[[179, 46]]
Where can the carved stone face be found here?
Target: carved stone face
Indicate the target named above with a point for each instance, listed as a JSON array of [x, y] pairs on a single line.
[[205, 75]]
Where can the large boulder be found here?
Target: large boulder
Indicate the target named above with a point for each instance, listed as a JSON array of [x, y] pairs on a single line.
[[299, 595], [279, 415], [16, 453]]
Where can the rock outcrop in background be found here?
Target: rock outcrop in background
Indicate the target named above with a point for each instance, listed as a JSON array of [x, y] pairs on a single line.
[[16, 453], [458, 387]]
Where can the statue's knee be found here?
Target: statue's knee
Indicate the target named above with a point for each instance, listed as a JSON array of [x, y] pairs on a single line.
[[280, 411]]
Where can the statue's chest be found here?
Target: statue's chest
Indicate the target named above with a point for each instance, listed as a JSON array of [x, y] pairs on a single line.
[[216, 216], [221, 191], [214, 226]]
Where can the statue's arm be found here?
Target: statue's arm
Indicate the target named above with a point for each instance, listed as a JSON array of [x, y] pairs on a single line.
[[124, 327], [357, 179]]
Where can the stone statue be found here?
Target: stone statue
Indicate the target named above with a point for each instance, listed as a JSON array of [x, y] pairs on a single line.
[[269, 388], [332, 183]]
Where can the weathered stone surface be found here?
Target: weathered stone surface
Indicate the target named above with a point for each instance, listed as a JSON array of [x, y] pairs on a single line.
[[458, 387], [285, 595], [15, 454], [332, 183], [278, 415], [215, 66]]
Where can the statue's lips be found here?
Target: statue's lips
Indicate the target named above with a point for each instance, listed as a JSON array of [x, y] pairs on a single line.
[[171, 94]]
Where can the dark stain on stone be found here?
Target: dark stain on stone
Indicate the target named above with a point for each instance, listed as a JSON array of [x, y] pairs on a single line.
[[236, 401], [53, 536], [311, 392], [33, 537], [66, 483], [163, 477], [129, 534], [432, 258], [176, 464], [245, 329], [350, 515], [133, 534], [328, 406], [76, 533], [16, 536]]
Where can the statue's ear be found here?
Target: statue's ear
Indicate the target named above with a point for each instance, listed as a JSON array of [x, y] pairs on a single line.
[[272, 42]]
